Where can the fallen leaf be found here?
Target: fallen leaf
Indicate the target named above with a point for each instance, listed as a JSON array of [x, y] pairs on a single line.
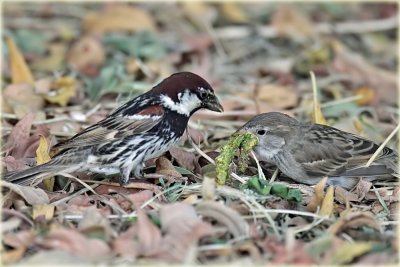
[[12, 164], [22, 99], [87, 53], [95, 224], [164, 166], [348, 251], [64, 90], [55, 59], [45, 210], [144, 239], [278, 96], [72, 241], [185, 159], [42, 156], [353, 219], [182, 228], [368, 96], [316, 200], [327, 203], [363, 72], [233, 12], [120, 17], [33, 196], [289, 21], [13, 255], [20, 72], [19, 134], [343, 196], [228, 217], [317, 116]]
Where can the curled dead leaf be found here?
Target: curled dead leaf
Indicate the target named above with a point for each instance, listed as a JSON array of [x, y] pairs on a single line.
[[316, 200], [33, 196], [355, 219], [236, 225], [164, 166]]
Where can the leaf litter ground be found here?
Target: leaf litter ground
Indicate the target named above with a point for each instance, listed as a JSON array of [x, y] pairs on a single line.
[[66, 66]]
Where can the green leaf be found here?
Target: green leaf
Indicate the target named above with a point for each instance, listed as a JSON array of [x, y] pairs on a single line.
[[256, 185], [294, 195]]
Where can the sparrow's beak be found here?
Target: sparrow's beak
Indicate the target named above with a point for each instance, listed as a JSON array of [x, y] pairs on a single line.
[[211, 102]]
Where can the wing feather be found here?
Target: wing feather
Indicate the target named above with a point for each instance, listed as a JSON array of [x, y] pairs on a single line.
[[328, 151], [116, 126]]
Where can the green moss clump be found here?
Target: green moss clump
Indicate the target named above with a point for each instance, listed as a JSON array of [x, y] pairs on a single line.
[[244, 143]]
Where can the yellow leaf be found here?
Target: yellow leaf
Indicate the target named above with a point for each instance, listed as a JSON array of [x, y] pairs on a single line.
[[20, 72], [46, 209], [367, 94], [65, 89], [348, 251], [327, 203], [317, 116], [233, 12], [316, 201], [119, 17], [54, 60], [42, 156]]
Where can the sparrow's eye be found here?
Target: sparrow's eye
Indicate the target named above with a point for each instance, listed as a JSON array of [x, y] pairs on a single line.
[[261, 132], [203, 94]]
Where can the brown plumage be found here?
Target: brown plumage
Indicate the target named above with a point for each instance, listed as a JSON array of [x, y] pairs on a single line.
[[307, 152]]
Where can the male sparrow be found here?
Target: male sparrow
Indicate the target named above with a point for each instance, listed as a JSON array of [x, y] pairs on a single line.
[[141, 129], [307, 152]]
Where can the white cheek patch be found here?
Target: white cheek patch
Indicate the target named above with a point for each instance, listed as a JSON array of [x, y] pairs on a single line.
[[187, 103]]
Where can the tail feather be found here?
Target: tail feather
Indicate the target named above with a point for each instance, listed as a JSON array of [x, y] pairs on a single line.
[[26, 177]]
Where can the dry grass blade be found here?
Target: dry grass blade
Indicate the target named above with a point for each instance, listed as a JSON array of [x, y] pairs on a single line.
[[382, 146]]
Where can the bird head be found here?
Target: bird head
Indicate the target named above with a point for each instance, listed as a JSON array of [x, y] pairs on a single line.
[[186, 92], [272, 130]]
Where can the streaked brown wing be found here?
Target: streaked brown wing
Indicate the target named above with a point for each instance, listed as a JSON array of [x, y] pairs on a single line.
[[328, 151], [116, 127]]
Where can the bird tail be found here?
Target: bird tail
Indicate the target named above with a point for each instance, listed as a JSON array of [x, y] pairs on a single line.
[[26, 177]]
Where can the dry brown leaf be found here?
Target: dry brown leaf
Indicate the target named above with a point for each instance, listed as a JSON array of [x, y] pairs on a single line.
[[19, 134], [183, 229], [11, 164], [95, 222], [351, 219], [141, 239], [289, 21], [394, 211], [72, 241], [20, 72], [316, 200], [362, 188], [230, 218], [278, 96], [33, 196], [87, 54], [24, 238], [165, 167], [185, 159], [361, 71], [343, 196], [23, 100], [119, 17]]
